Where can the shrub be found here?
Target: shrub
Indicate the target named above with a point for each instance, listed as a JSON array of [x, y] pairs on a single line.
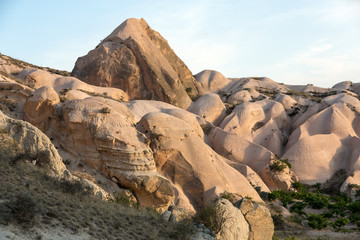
[[299, 207], [74, 187], [279, 221], [340, 222], [208, 216], [285, 197], [228, 196], [317, 201], [23, 207], [105, 110], [317, 221], [257, 126], [5, 213], [354, 207], [277, 166]]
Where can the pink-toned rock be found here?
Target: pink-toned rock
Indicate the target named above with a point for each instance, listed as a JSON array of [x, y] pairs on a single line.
[[210, 107], [263, 122], [211, 81], [40, 78], [100, 132], [202, 176], [138, 60]]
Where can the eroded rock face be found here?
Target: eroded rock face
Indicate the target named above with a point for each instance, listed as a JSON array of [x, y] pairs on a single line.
[[325, 143], [138, 60], [40, 78], [233, 224], [101, 133], [198, 173], [21, 138]]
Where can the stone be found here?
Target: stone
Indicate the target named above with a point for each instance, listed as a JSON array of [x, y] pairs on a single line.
[[166, 215], [233, 225], [260, 222]]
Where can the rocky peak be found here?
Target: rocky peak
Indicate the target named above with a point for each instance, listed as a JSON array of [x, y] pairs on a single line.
[[138, 60]]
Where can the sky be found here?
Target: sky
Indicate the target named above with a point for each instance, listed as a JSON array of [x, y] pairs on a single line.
[[289, 41]]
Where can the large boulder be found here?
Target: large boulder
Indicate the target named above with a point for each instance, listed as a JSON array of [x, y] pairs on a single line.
[[259, 219], [233, 225], [138, 60], [199, 174]]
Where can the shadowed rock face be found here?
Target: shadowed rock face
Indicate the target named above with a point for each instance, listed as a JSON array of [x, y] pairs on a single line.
[[139, 61]]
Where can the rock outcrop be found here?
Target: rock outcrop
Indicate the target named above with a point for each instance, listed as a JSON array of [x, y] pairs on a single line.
[[40, 78], [19, 139], [101, 133], [198, 173], [138, 60]]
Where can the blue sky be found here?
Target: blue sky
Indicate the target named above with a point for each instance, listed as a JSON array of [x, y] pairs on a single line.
[[294, 42]]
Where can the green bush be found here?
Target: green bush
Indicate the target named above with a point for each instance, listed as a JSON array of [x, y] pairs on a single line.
[[354, 207], [299, 207], [317, 200], [277, 166], [340, 222], [228, 196], [317, 221], [283, 196]]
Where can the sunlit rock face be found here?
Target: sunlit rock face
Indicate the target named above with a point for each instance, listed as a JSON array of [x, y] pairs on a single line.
[[138, 60]]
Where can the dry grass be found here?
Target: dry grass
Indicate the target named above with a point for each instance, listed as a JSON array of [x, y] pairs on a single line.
[[77, 210]]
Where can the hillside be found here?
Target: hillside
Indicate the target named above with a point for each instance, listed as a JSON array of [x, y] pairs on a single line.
[[133, 121]]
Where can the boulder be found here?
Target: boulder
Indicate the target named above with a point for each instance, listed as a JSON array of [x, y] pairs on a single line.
[[232, 224], [259, 220], [211, 81], [210, 107], [138, 60]]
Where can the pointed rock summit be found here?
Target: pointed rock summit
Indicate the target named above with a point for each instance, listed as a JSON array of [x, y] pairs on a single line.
[[138, 60]]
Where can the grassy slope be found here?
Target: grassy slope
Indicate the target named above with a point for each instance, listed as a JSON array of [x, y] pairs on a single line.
[[79, 212]]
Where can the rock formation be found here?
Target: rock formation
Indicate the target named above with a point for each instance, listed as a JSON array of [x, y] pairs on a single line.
[[138, 60]]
